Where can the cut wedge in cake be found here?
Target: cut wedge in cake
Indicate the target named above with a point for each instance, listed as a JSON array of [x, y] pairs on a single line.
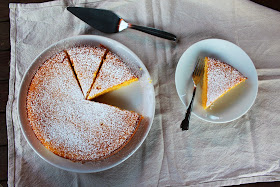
[[113, 74], [86, 62], [218, 79]]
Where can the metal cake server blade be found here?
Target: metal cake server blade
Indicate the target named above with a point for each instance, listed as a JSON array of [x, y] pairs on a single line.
[[108, 22]]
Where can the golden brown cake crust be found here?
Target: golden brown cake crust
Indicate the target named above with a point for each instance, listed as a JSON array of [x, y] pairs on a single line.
[[66, 123]]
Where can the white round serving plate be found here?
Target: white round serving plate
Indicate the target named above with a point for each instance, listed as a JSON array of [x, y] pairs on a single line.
[[138, 96], [232, 105]]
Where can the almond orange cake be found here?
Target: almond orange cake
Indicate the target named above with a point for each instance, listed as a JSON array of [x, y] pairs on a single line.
[[219, 78], [69, 125]]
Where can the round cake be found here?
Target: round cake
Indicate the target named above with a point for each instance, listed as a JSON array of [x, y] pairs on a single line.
[[69, 125]]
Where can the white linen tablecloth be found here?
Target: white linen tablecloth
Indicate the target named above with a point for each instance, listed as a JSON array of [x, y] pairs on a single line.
[[243, 151]]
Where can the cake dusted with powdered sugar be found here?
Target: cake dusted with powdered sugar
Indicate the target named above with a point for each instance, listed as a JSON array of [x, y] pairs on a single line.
[[219, 78], [69, 125], [114, 73], [86, 62]]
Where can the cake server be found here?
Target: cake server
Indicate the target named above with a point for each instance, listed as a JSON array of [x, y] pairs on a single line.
[[108, 22]]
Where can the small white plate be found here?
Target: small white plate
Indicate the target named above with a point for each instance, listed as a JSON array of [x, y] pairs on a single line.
[[232, 105], [138, 96]]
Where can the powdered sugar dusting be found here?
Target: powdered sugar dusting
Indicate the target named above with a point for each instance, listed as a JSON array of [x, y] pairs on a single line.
[[221, 77], [86, 61], [69, 125], [113, 72]]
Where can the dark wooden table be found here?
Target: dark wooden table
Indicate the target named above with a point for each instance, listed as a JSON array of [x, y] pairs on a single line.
[[4, 81]]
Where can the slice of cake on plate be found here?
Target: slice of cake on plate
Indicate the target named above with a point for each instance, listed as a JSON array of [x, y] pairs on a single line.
[[113, 74], [86, 62], [218, 79]]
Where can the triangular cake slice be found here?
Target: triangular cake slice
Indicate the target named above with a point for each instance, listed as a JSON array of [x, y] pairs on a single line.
[[86, 62], [113, 74], [219, 78]]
